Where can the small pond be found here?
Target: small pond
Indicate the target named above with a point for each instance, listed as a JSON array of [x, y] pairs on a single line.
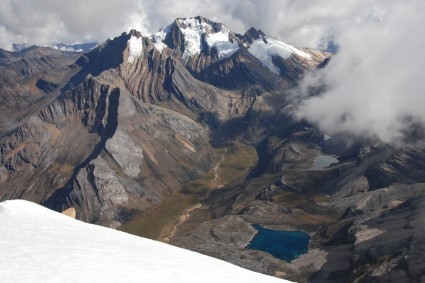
[[285, 245], [323, 161]]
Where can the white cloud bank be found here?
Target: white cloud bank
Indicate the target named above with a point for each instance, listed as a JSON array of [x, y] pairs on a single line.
[[375, 84], [44, 22]]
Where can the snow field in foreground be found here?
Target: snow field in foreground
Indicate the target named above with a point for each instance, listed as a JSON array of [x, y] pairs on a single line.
[[40, 245]]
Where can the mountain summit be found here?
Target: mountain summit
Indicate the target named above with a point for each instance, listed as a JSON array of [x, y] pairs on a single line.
[[199, 37]]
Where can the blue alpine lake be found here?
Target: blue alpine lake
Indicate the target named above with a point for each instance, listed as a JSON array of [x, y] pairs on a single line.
[[285, 245]]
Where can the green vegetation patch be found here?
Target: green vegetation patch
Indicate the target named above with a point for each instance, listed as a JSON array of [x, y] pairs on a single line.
[[158, 221]]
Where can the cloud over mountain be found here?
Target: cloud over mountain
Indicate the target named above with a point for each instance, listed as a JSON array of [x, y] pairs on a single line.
[[45, 22], [374, 85]]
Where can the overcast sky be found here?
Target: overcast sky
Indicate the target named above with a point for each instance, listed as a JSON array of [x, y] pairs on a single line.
[[300, 22], [375, 82]]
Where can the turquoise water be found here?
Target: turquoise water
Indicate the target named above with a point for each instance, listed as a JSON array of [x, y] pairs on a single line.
[[285, 245], [323, 161]]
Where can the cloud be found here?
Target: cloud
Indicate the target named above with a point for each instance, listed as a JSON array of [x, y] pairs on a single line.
[[375, 84], [45, 22]]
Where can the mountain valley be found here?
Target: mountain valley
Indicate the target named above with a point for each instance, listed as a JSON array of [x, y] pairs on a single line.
[[187, 136]]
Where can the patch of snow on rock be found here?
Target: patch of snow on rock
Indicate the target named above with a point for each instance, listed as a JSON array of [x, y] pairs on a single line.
[[265, 50], [159, 37], [135, 45], [40, 245], [192, 36], [193, 31], [220, 40]]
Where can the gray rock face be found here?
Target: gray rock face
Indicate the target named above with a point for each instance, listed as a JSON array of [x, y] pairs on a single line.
[[112, 194], [382, 245], [126, 153], [100, 189]]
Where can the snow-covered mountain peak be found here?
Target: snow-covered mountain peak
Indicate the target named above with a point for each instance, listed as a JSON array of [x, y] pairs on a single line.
[[192, 30], [200, 40], [196, 34], [199, 33]]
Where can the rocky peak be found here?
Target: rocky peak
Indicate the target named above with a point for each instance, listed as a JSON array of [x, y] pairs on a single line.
[[253, 34], [197, 36], [135, 33], [200, 42], [107, 55]]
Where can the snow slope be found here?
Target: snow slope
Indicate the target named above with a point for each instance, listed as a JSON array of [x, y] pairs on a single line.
[[220, 41], [193, 32], [159, 37], [192, 36], [135, 46], [266, 50], [40, 245]]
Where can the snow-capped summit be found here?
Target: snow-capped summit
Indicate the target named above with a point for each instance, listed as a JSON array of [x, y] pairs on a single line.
[[198, 34], [40, 245], [190, 37]]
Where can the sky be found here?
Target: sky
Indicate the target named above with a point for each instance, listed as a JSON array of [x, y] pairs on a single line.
[[374, 82], [300, 22]]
